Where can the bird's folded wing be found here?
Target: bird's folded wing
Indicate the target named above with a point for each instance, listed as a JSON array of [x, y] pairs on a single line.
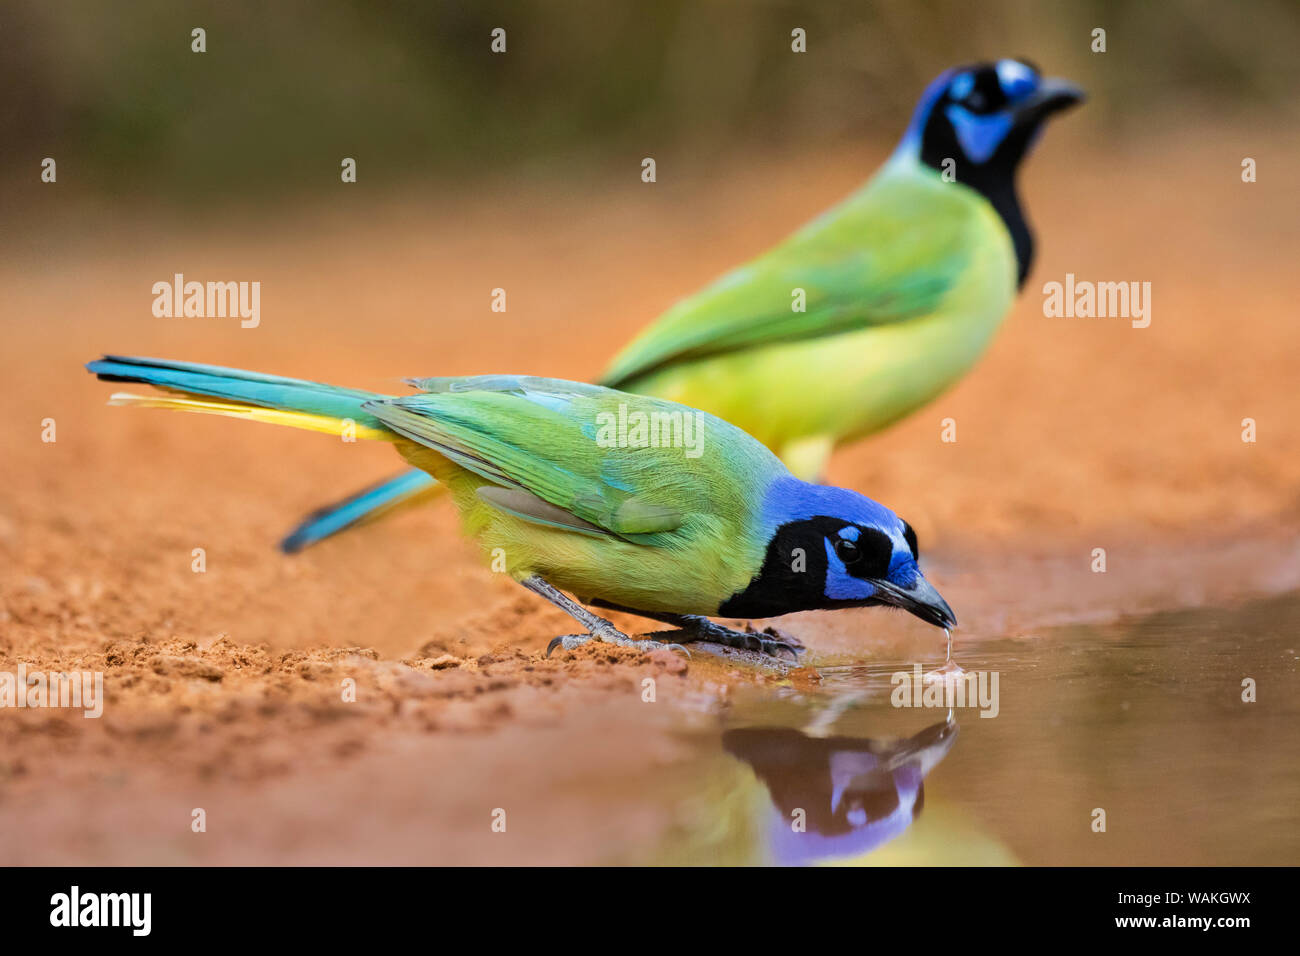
[[538, 444], [877, 259]]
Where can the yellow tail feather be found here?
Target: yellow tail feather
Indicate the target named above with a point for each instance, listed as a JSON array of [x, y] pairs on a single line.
[[256, 413]]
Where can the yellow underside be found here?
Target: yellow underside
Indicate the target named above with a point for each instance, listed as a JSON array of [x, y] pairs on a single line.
[[803, 398]]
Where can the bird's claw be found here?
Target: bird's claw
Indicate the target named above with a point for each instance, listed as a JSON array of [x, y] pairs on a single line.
[[556, 642], [657, 646], [788, 640], [772, 648], [751, 640]]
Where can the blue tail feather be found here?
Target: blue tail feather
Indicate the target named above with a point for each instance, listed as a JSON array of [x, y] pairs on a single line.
[[332, 519], [231, 384], [285, 394]]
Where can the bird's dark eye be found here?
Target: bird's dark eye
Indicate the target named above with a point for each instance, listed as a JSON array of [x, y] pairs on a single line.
[[865, 552], [847, 551]]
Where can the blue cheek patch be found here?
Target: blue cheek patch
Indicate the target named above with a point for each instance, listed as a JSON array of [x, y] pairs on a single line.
[[979, 136], [840, 585]]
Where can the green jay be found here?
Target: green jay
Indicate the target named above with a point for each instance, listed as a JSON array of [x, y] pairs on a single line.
[[681, 520], [860, 317]]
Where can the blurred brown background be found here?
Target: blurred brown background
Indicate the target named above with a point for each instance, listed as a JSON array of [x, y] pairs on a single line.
[[522, 172], [412, 89]]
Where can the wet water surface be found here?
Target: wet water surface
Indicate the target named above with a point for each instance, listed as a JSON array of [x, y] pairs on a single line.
[[1139, 727]]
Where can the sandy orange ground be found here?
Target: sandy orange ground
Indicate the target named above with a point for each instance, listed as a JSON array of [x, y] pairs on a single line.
[[223, 686]]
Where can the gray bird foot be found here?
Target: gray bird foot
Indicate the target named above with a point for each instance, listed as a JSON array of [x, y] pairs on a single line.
[[769, 642], [782, 636], [611, 636]]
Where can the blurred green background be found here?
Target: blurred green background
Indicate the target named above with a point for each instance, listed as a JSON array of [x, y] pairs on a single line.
[[411, 89]]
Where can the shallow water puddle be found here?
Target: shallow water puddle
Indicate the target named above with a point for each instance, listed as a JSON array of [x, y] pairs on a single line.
[[1139, 743]]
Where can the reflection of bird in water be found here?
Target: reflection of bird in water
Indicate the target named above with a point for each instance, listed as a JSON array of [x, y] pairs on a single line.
[[855, 793]]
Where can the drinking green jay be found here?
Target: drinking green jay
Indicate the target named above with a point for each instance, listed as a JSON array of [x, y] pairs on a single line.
[[543, 470]]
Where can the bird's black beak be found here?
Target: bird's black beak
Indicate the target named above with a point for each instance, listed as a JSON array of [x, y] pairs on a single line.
[[920, 599], [1052, 96]]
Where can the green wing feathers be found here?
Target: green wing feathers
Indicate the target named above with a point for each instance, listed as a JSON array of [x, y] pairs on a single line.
[[889, 253], [540, 438]]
